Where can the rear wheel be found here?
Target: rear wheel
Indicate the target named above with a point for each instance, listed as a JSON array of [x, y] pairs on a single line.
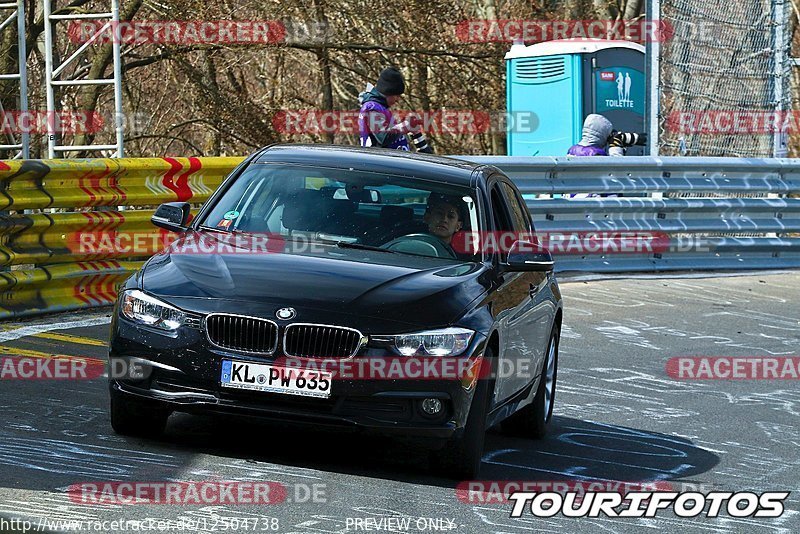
[[532, 420], [461, 457], [133, 417]]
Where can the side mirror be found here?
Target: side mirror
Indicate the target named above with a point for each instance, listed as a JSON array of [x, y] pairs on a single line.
[[527, 256], [172, 216]]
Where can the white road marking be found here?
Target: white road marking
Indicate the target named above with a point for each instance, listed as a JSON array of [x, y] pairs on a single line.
[[24, 331]]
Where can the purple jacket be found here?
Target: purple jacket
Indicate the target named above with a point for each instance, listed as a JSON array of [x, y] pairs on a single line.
[[594, 137], [580, 150], [374, 119]]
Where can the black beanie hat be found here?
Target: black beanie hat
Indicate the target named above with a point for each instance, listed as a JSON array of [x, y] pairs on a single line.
[[390, 82]]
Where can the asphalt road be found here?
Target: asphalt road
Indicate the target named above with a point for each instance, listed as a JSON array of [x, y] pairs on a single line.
[[618, 417]]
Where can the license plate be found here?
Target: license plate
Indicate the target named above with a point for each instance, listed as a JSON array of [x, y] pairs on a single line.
[[275, 379]]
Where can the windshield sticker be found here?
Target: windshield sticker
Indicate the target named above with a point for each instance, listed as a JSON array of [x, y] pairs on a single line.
[[224, 223], [231, 215]]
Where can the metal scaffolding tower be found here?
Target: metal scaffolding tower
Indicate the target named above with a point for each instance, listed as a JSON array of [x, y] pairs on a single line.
[[54, 73], [17, 13]]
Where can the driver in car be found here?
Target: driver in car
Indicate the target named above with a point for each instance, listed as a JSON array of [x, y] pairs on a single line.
[[444, 216]]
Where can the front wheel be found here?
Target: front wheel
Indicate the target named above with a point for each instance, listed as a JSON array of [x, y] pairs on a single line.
[[461, 457], [132, 417], [532, 420]]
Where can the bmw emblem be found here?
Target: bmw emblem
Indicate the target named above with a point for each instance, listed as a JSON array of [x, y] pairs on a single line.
[[286, 313]]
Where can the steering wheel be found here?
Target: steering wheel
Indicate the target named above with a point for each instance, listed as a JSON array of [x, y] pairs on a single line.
[[420, 244]]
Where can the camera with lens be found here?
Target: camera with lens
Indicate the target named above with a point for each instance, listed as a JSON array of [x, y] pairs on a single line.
[[421, 143], [622, 140], [418, 138]]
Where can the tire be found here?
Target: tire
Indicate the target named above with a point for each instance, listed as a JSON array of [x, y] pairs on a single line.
[[461, 457], [132, 417], [532, 420]]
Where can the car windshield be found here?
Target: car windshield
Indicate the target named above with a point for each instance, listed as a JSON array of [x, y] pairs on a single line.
[[351, 208]]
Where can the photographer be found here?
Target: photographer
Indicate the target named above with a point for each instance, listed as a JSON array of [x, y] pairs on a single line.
[[376, 124], [598, 133]]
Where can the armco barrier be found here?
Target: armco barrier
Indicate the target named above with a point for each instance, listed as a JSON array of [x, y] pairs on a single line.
[[62, 287], [697, 202], [92, 190], [84, 183], [685, 198]]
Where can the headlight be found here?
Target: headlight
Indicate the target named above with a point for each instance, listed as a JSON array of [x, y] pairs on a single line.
[[446, 342], [144, 309]]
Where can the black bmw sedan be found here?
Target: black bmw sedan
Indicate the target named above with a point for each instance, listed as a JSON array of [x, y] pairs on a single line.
[[394, 292]]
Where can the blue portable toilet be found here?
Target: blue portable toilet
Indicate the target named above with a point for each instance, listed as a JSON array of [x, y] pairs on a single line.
[[552, 86]]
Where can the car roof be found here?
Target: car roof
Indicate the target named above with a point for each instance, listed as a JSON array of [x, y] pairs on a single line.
[[403, 162]]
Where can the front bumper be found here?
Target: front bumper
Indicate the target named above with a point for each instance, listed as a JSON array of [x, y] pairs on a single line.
[[182, 373]]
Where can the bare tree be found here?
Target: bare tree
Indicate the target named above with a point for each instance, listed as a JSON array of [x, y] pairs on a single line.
[[223, 97]]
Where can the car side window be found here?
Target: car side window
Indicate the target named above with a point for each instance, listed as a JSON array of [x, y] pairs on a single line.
[[520, 218], [502, 221]]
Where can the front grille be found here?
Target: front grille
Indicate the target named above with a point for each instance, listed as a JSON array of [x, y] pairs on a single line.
[[320, 341], [245, 334]]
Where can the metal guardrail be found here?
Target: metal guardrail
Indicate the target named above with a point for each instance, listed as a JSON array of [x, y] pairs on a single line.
[[681, 200], [737, 209], [49, 271]]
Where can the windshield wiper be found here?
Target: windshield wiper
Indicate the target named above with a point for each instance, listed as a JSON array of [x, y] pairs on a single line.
[[361, 246]]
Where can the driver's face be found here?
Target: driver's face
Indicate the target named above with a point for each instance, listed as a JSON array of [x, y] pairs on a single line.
[[442, 220]]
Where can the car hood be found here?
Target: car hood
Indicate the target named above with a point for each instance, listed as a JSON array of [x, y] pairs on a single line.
[[393, 287]]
